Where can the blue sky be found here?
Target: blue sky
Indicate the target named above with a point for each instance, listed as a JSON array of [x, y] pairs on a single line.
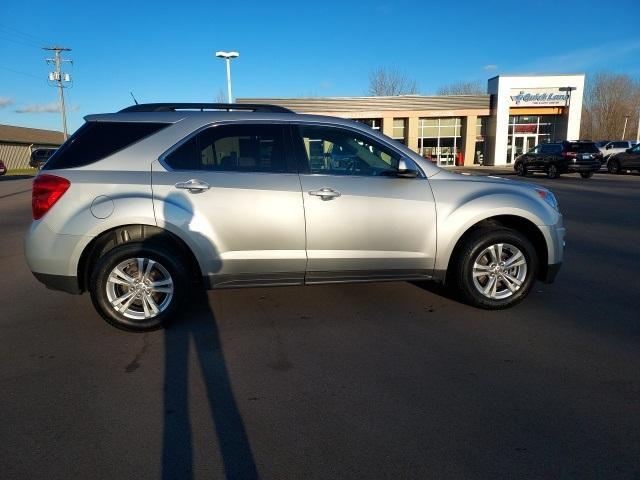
[[163, 51]]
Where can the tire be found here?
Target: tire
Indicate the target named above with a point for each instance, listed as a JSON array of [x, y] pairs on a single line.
[[552, 171], [137, 314], [476, 250], [586, 174], [614, 166], [521, 170]]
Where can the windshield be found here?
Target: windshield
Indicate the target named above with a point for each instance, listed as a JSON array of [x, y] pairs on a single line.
[[583, 148]]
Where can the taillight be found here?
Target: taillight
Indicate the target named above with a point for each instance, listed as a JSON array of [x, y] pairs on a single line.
[[47, 190], [569, 154]]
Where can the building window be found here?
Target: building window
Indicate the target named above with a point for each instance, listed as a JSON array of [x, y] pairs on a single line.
[[374, 123], [527, 131], [439, 139], [399, 129]]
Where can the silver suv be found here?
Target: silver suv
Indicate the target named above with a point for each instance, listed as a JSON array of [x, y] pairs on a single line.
[[139, 206]]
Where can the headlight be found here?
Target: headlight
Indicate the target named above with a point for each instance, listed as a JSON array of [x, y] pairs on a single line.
[[548, 197]]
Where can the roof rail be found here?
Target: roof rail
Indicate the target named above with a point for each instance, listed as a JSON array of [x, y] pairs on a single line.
[[172, 107]]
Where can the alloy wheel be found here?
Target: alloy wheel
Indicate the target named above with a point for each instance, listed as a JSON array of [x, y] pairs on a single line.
[[499, 271], [139, 288]]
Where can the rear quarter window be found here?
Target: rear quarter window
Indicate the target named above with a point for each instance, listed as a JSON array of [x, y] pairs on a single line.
[[97, 140]]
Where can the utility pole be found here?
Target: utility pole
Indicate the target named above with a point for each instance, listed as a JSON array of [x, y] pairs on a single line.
[[58, 78], [638, 133]]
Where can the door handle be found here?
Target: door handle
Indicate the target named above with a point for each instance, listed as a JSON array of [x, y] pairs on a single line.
[[325, 193], [193, 185]]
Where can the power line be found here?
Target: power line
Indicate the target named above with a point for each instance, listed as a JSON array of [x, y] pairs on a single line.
[[23, 42], [25, 35], [19, 72]]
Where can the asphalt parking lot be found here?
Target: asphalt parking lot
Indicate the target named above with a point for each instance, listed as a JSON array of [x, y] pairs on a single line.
[[389, 380]]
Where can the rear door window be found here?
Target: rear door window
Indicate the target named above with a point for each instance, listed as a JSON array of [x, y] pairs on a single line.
[[97, 140], [233, 148]]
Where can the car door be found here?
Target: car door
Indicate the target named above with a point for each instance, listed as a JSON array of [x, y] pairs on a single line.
[[363, 221], [232, 191], [632, 158]]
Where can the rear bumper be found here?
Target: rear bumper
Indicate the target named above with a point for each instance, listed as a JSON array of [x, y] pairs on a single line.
[[583, 167], [59, 282]]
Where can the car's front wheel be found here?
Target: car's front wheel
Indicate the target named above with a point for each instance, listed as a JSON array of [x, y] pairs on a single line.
[[138, 287], [586, 174], [495, 269], [521, 170]]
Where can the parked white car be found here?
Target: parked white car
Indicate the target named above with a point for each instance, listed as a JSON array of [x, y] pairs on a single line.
[[614, 147]]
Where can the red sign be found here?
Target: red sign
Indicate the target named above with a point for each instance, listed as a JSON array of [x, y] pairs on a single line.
[[525, 128]]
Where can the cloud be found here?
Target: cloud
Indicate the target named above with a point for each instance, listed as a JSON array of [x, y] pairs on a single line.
[[5, 102], [583, 59], [490, 66], [52, 107]]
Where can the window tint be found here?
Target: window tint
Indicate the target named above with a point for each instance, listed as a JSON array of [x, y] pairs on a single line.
[[636, 149], [551, 148], [583, 147], [335, 151], [241, 148], [620, 145], [96, 140]]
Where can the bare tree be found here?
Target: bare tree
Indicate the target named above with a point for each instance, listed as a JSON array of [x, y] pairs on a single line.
[[463, 88], [385, 81], [221, 96], [608, 98]]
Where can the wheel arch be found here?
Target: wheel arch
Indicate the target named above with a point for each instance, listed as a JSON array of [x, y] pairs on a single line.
[[514, 222], [121, 235]]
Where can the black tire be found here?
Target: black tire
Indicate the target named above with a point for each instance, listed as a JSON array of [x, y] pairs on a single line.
[[521, 170], [613, 166], [473, 246], [172, 263], [586, 174], [552, 171]]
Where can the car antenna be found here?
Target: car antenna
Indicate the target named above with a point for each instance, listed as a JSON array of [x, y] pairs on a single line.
[[134, 98]]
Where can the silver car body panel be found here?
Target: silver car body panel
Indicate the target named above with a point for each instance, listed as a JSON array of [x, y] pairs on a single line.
[[262, 229]]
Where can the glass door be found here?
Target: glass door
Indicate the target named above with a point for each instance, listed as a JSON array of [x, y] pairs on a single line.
[[522, 144]]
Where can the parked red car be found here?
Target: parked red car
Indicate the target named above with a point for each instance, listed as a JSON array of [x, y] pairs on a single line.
[[3, 168]]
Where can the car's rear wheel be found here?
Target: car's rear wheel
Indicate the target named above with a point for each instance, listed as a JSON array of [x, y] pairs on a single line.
[[521, 170], [138, 287], [613, 166], [586, 174], [552, 171], [495, 269]]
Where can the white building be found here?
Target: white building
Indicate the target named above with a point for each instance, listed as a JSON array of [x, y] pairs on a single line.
[[517, 113]]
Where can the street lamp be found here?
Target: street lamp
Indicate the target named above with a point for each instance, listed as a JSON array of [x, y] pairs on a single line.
[[624, 129], [228, 56]]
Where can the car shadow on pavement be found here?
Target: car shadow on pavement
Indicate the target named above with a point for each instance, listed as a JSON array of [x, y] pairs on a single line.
[[195, 332]]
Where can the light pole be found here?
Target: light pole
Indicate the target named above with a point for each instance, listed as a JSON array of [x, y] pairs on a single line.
[[638, 133], [228, 56], [624, 129]]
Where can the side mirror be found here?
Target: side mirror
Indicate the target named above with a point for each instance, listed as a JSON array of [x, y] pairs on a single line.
[[608, 147], [404, 172]]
